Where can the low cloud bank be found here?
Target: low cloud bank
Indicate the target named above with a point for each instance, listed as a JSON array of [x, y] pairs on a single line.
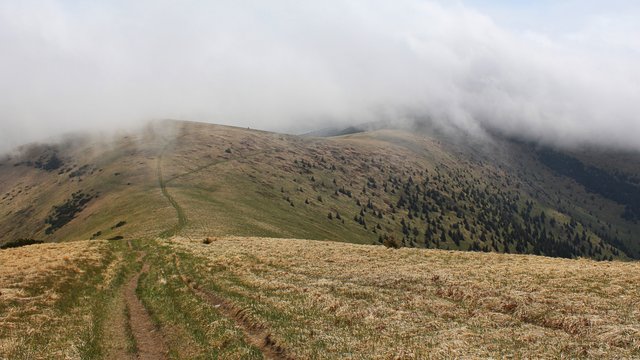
[[299, 66]]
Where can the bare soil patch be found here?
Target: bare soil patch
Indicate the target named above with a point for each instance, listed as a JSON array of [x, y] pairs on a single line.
[[149, 339]]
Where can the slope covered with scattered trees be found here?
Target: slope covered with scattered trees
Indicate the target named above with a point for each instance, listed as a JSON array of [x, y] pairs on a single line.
[[388, 187]]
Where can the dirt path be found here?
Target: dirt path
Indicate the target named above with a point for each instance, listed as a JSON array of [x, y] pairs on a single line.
[[255, 334], [182, 217], [116, 342], [218, 162], [115, 330], [149, 342]]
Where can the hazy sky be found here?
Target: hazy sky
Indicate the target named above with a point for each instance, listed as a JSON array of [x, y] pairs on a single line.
[[558, 70]]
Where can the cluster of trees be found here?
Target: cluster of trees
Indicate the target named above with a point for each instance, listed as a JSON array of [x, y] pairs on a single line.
[[50, 163], [62, 214], [459, 214], [19, 243], [621, 188], [450, 209]]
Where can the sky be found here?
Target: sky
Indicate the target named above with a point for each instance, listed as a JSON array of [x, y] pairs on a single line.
[[564, 71]]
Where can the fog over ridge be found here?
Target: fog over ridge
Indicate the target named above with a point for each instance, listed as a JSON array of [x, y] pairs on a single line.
[[299, 66]]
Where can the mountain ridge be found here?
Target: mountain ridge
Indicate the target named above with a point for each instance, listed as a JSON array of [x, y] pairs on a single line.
[[412, 189]]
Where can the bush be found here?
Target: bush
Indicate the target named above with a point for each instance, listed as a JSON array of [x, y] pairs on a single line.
[[119, 224], [50, 164], [208, 240], [19, 243], [63, 214], [391, 242]]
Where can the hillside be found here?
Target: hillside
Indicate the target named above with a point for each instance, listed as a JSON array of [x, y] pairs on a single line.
[[186, 247], [401, 188], [254, 298], [415, 189]]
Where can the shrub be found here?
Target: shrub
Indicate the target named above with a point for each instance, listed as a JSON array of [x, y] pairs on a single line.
[[20, 243], [391, 242], [119, 224], [208, 240], [50, 164], [63, 214]]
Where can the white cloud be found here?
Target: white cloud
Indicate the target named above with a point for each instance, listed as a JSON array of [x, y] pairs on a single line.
[[283, 65]]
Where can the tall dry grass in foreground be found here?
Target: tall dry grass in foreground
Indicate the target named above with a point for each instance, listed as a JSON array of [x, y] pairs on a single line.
[[329, 300], [42, 291]]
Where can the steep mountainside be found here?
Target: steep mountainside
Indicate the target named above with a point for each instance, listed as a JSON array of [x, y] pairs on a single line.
[[401, 188]]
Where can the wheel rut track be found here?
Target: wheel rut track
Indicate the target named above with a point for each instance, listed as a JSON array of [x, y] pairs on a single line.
[[256, 334], [149, 340]]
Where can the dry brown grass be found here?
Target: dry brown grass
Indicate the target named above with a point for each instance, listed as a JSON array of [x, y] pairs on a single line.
[[327, 300], [36, 282]]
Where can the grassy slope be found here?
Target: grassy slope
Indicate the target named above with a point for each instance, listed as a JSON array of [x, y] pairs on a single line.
[[232, 181], [268, 185], [121, 174], [565, 195], [51, 294], [316, 299], [347, 299], [319, 299], [245, 192], [327, 300], [62, 301]]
